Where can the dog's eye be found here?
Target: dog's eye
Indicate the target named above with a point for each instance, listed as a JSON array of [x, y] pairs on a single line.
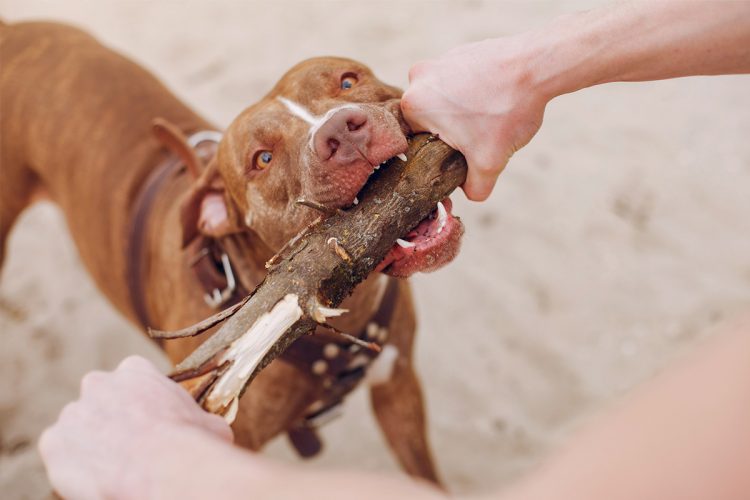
[[348, 81], [263, 159]]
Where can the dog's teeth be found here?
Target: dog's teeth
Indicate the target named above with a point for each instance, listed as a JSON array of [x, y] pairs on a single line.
[[376, 168], [402, 157], [405, 244], [356, 201], [442, 217]]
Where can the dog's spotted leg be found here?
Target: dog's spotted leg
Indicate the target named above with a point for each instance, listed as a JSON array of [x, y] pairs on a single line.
[[396, 396], [399, 409]]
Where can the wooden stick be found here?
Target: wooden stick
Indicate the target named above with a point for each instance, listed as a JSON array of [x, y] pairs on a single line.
[[198, 328], [311, 279]]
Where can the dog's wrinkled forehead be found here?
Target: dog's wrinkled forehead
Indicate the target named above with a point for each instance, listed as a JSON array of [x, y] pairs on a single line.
[[310, 90], [284, 120], [313, 87], [320, 78]]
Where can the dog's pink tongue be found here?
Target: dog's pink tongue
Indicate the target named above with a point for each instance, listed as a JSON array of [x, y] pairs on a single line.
[[427, 247]]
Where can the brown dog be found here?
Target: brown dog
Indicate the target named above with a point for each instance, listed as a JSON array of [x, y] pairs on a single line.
[[170, 241]]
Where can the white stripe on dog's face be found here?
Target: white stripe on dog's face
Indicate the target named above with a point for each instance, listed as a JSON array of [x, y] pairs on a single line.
[[304, 114], [298, 110]]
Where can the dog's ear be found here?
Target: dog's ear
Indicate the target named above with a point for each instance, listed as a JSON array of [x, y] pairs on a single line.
[[205, 208], [173, 139]]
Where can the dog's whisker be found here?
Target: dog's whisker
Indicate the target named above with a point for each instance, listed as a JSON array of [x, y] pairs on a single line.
[[354, 340], [290, 244], [317, 206]]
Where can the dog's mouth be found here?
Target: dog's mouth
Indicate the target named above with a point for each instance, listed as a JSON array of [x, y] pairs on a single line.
[[345, 190], [432, 244]]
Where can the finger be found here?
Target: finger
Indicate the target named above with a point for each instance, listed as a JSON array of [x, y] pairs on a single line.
[[91, 381], [480, 180], [47, 444], [418, 69], [411, 110], [137, 363], [55, 453]]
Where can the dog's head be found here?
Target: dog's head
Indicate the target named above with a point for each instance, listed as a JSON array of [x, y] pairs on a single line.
[[317, 136]]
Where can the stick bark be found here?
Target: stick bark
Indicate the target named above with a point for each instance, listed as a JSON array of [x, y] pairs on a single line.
[[315, 272]]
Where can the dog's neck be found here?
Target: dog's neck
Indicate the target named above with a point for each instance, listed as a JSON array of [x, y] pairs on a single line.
[[172, 278]]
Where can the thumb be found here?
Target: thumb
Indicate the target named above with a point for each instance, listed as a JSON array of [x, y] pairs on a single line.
[[481, 177], [218, 426]]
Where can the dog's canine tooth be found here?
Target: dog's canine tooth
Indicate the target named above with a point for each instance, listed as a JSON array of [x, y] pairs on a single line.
[[442, 217], [402, 157], [405, 244], [356, 201]]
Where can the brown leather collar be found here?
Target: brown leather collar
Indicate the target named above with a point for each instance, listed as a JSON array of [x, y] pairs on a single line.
[[137, 263]]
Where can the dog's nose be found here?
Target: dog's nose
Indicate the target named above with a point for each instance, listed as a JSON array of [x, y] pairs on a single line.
[[344, 138]]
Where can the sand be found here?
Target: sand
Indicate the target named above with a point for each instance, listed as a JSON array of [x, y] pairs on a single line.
[[611, 244]]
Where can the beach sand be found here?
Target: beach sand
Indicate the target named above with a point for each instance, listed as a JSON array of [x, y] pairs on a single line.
[[612, 243]]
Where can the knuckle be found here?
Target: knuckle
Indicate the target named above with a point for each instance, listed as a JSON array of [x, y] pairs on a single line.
[[417, 70], [91, 381], [480, 167], [46, 442], [476, 192], [134, 362], [488, 164], [68, 413], [410, 100], [406, 104]]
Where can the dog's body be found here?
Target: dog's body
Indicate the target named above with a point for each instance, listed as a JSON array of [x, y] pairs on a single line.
[[77, 129]]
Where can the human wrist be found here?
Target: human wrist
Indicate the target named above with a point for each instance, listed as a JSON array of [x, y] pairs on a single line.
[[560, 56], [174, 462]]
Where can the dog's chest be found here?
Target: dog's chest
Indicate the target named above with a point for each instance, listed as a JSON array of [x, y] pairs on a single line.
[[340, 364]]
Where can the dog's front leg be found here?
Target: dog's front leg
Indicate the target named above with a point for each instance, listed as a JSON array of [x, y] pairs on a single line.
[[399, 409], [396, 394]]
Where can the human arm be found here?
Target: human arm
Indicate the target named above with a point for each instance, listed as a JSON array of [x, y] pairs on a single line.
[[487, 99], [135, 434], [682, 436]]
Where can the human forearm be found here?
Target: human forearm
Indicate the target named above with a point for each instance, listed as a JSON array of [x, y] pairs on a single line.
[[135, 434], [684, 435], [638, 41], [487, 99], [219, 468]]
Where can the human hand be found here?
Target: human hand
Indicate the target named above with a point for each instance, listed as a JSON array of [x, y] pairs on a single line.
[[108, 444], [481, 99]]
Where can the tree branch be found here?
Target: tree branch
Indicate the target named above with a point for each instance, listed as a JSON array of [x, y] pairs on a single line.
[[321, 268]]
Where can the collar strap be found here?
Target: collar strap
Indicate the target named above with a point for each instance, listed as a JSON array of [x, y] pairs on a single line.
[[205, 142]]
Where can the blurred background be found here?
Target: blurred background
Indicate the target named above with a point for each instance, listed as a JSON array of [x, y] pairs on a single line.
[[612, 242]]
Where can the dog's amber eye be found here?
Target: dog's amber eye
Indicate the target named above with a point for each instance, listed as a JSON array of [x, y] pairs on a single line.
[[348, 81], [263, 159]]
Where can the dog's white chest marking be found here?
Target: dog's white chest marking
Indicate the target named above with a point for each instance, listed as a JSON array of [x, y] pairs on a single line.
[[381, 370]]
